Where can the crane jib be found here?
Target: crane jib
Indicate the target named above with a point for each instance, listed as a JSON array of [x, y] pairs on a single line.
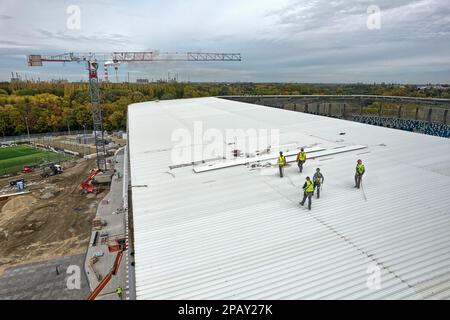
[[116, 58]]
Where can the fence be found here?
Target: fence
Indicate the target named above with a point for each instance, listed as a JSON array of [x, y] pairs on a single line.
[[60, 143], [25, 138], [58, 140]]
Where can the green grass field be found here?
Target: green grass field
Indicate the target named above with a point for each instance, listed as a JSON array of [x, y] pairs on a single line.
[[12, 159]]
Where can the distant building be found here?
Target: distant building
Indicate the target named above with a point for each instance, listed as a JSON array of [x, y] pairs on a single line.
[[60, 81], [15, 78], [432, 87], [141, 80]]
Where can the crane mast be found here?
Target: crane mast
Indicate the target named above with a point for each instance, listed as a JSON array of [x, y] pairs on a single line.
[[92, 61], [96, 110]]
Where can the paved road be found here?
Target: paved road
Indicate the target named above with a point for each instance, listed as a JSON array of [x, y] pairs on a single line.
[[39, 281], [109, 211]]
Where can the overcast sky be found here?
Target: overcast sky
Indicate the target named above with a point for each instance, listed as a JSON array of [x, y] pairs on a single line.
[[280, 40]]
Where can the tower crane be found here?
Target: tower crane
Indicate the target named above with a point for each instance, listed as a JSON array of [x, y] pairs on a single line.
[[92, 60]]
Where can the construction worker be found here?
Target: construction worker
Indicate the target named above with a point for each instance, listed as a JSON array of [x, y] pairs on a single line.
[[281, 163], [318, 180], [308, 192], [360, 170], [119, 291], [301, 158]]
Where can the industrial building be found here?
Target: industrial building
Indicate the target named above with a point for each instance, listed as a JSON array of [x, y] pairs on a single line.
[[226, 226]]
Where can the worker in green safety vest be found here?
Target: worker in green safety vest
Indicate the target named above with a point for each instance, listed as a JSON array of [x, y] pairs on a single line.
[[360, 170], [281, 163], [308, 192], [301, 159]]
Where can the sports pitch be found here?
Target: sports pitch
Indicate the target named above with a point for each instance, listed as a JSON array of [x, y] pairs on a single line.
[[12, 159]]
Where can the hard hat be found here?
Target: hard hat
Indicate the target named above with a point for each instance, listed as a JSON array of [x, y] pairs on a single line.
[[318, 169]]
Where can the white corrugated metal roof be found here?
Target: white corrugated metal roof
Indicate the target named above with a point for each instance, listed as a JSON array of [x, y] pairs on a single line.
[[235, 233]]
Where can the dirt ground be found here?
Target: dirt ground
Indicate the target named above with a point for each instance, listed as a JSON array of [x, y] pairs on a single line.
[[54, 220]]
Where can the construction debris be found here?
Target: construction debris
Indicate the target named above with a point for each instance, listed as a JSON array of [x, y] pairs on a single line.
[[103, 177], [7, 195], [98, 224]]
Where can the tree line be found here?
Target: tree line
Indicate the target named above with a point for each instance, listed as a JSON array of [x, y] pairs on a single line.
[[57, 106]]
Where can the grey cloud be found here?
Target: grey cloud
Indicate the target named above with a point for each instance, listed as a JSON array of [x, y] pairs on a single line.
[[307, 41], [94, 37], [405, 18], [13, 43]]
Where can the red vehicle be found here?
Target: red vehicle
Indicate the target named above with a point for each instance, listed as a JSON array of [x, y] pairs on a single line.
[[27, 169], [89, 185]]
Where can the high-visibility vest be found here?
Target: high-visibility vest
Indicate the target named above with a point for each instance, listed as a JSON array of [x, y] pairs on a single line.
[[119, 290], [360, 168], [318, 177], [309, 186], [301, 156], [281, 160]]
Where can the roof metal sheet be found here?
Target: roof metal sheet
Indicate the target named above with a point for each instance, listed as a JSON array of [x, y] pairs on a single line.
[[239, 233]]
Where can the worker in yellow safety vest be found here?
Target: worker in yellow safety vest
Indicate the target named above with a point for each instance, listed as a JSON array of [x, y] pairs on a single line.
[[301, 159], [360, 170], [119, 291], [281, 163], [308, 192]]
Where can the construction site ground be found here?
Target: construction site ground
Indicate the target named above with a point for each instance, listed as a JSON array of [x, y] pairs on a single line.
[[54, 220]]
